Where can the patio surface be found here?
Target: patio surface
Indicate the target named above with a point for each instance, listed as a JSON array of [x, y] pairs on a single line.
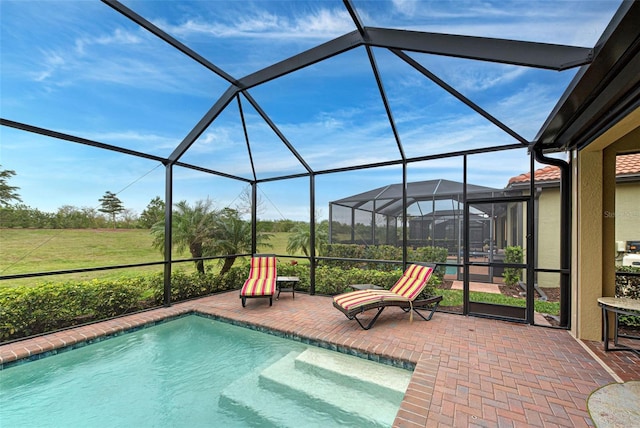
[[468, 371]]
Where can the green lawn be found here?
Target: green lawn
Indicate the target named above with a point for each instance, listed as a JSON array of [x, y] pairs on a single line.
[[44, 250], [454, 298]]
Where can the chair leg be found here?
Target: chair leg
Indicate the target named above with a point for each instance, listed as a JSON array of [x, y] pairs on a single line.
[[373, 320], [270, 300], [244, 301], [428, 317]]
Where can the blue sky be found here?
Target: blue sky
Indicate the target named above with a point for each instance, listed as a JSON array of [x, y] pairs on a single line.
[[81, 68]]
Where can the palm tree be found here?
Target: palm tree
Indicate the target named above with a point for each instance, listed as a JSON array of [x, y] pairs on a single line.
[[233, 236], [300, 238], [192, 228]]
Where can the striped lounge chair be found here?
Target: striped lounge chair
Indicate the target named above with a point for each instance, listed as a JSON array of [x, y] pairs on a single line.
[[403, 294], [262, 279]]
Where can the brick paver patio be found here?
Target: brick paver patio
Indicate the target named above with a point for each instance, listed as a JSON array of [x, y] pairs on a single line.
[[468, 371]]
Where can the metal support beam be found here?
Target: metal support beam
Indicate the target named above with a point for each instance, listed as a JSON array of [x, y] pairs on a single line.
[[168, 237], [312, 234], [79, 140], [532, 249], [246, 138], [304, 59], [415, 64], [211, 171], [354, 16], [528, 54], [385, 101], [465, 239], [275, 129], [405, 222], [254, 218], [133, 16], [204, 123]]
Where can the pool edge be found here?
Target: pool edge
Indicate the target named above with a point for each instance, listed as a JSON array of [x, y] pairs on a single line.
[[77, 337]]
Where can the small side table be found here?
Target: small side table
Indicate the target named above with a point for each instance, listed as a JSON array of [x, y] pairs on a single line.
[[287, 284], [619, 306]]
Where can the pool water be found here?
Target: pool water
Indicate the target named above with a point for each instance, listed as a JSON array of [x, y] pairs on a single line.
[[194, 372]]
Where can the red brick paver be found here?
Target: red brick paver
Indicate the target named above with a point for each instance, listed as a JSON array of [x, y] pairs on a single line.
[[468, 371]]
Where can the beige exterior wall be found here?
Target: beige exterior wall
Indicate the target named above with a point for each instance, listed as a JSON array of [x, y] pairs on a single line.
[[587, 273], [625, 218], [627, 213], [594, 232], [548, 230]]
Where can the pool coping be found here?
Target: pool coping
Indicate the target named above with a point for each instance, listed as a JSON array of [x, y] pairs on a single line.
[[78, 339]]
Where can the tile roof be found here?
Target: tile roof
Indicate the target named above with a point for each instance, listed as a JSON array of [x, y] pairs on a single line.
[[625, 165]]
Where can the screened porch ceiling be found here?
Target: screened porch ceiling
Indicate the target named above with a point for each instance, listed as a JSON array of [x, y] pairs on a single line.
[[388, 83]]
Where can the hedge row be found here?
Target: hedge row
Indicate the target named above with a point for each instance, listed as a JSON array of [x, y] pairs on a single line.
[[26, 311], [380, 252], [333, 280], [186, 286]]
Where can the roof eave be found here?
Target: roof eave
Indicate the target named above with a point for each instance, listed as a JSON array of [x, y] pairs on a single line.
[[603, 92]]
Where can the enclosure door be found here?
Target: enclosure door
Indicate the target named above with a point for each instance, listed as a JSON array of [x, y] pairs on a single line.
[[495, 263]]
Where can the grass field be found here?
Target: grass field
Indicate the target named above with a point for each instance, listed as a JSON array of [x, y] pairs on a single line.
[[44, 250]]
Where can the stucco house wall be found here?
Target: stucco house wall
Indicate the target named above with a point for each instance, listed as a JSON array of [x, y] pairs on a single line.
[[625, 216], [548, 233], [627, 213]]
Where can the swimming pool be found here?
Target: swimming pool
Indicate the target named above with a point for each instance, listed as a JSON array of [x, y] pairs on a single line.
[[198, 372]]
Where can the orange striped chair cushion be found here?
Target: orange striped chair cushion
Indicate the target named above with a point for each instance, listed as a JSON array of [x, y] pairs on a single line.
[[259, 287], [412, 281], [262, 277], [263, 267], [357, 299]]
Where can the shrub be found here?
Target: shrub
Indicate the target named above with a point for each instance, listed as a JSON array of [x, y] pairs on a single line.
[[628, 286], [512, 255], [189, 285]]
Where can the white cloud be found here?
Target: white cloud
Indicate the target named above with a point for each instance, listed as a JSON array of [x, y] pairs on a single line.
[[321, 23], [141, 141], [564, 22], [119, 37], [52, 61]]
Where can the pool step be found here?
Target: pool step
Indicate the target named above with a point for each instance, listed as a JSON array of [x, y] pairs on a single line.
[[318, 388], [376, 379], [326, 395], [257, 406]]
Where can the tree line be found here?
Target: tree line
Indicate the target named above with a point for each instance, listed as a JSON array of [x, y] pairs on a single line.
[[110, 213]]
